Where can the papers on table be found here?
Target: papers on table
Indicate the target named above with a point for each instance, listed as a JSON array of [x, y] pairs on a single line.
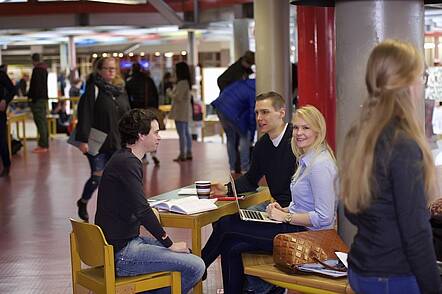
[[187, 191], [186, 205]]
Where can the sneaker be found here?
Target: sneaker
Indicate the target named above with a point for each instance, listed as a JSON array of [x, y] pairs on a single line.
[[5, 172], [189, 156], [180, 158], [156, 161], [40, 150], [82, 210]]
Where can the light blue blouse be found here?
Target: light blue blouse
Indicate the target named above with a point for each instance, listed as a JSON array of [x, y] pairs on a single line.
[[313, 190]]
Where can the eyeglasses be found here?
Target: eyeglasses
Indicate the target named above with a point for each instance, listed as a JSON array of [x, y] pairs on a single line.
[[109, 68]]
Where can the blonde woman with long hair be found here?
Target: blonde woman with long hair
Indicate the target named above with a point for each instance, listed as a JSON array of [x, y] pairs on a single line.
[[387, 178], [312, 207]]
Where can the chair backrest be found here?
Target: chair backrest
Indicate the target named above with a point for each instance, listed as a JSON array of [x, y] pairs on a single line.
[[90, 243]]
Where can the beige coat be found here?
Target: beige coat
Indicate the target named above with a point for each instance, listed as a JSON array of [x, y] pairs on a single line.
[[181, 106]]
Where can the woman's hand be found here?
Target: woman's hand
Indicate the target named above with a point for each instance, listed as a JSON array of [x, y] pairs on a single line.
[[276, 214], [84, 147], [179, 247]]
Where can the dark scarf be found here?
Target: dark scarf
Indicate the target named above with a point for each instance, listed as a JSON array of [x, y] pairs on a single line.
[[106, 87]]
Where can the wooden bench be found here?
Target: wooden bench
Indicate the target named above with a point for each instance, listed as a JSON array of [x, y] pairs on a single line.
[[262, 266]]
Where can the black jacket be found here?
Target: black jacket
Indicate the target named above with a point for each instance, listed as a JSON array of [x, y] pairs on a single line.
[[277, 164], [7, 89], [102, 112], [38, 88], [394, 235], [136, 87]]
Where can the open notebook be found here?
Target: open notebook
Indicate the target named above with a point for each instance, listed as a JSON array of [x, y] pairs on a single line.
[[186, 205]]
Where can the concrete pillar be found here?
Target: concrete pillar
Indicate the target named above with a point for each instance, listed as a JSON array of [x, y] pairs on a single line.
[[1, 60], [192, 55], [64, 66], [240, 37], [72, 56], [360, 25], [272, 56]]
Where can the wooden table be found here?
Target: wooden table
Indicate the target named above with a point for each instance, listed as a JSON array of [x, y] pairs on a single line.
[[196, 221], [262, 266], [17, 118]]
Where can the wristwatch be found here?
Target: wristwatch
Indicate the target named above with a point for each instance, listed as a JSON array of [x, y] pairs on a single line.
[[288, 218]]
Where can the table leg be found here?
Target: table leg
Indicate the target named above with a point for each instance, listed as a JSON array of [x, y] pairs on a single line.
[[196, 249], [25, 146]]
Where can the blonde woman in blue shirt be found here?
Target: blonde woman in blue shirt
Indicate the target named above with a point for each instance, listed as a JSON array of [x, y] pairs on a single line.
[[313, 204]]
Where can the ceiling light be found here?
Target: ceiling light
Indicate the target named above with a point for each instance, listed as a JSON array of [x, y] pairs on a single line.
[[183, 52], [95, 55], [104, 54], [131, 54], [157, 54], [168, 54], [141, 53], [120, 55], [115, 54]]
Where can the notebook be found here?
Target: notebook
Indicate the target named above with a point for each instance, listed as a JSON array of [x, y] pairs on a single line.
[[251, 215]]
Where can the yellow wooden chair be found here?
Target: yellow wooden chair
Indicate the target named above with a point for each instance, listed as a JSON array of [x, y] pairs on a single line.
[[88, 245]]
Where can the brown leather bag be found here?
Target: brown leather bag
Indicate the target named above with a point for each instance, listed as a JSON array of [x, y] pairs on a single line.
[[292, 249]]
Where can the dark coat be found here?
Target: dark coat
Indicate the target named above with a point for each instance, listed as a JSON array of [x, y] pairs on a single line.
[[38, 88], [235, 72], [136, 87]]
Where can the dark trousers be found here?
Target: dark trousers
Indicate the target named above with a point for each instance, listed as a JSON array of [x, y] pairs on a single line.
[[231, 237], [39, 110], [4, 151]]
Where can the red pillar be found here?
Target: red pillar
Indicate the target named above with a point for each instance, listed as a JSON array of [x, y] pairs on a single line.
[[316, 63]]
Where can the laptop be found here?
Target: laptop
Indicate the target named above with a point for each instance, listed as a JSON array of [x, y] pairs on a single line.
[[251, 215]]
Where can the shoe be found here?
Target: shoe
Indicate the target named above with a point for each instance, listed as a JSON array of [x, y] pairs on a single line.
[[82, 210], [156, 161], [40, 150], [180, 158], [5, 172], [189, 156]]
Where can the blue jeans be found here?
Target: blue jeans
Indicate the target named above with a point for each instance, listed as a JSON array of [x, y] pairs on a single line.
[[382, 285], [182, 127], [233, 134], [231, 237], [144, 255], [96, 163]]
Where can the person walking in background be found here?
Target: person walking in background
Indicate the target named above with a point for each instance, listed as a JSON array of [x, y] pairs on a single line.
[[100, 107], [239, 70], [7, 92], [387, 177], [165, 85], [143, 94], [235, 107], [38, 94], [22, 85], [181, 110]]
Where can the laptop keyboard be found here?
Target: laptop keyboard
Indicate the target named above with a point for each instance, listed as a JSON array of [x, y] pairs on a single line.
[[253, 214]]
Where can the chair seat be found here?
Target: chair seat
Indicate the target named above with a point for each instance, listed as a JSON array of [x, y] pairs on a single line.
[[149, 281]]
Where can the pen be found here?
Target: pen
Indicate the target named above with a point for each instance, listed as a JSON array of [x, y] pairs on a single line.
[[226, 198]]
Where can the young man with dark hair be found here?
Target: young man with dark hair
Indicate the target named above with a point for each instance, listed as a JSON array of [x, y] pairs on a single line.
[[38, 94], [122, 208]]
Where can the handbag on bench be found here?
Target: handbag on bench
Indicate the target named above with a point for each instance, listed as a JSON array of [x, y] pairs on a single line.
[[293, 249]]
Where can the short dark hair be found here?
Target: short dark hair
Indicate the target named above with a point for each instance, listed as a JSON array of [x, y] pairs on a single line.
[[249, 57], [36, 57], [134, 122], [277, 101], [183, 72]]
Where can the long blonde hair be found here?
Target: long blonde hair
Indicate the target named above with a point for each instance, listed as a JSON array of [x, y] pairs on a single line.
[[393, 66], [316, 121]]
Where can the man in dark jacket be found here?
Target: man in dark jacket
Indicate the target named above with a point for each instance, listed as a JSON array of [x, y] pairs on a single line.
[[239, 70], [7, 92], [38, 94], [141, 89]]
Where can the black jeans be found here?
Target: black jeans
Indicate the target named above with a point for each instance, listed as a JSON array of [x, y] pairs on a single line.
[[4, 151], [231, 237]]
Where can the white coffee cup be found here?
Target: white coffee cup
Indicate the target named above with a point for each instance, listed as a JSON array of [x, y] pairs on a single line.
[[203, 189]]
